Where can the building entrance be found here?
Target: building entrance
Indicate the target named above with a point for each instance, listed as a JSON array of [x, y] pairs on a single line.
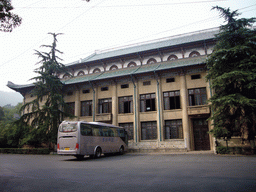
[[201, 136]]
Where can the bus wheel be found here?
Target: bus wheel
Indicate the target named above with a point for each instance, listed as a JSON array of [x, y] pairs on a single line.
[[121, 150], [79, 157], [97, 152]]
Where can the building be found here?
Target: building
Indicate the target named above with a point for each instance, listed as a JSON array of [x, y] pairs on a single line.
[[157, 90]]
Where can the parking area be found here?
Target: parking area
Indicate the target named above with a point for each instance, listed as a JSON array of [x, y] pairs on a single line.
[[129, 172]]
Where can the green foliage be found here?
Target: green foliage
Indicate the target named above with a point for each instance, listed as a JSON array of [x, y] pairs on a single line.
[[232, 71], [222, 150], [47, 110], [8, 20], [11, 134]]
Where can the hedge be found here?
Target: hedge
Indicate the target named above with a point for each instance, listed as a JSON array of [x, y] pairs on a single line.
[[235, 150], [25, 151]]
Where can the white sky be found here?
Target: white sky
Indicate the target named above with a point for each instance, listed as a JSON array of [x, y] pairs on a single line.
[[98, 25]]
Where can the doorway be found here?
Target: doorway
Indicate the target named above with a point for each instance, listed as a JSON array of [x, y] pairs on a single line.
[[201, 136]]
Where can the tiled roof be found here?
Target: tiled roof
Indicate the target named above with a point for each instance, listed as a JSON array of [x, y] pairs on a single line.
[[162, 43], [125, 72]]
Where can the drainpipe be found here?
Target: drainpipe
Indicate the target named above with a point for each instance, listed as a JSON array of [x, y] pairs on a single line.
[[135, 109], [159, 112], [93, 100]]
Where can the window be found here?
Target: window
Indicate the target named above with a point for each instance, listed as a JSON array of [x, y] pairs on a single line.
[[145, 83], [125, 104], [148, 130], [129, 128], [86, 91], [172, 100], [105, 105], [173, 129], [124, 86], [132, 64], [197, 96], [80, 73], [172, 57], [170, 80], [104, 89], [86, 108], [70, 93], [86, 129], [194, 54], [197, 76], [147, 102], [113, 67], [70, 108], [97, 70], [151, 61]]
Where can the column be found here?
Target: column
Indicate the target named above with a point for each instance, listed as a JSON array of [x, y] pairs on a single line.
[[77, 103], [114, 104], [184, 104]]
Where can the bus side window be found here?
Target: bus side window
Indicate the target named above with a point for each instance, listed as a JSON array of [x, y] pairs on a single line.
[[86, 130], [113, 132], [105, 132], [121, 132], [96, 132]]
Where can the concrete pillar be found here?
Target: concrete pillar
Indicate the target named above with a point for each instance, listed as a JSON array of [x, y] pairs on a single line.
[[184, 104], [114, 104], [77, 103], [159, 109], [136, 112]]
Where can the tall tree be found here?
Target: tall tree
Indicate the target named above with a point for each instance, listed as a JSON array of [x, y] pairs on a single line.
[[232, 73], [48, 109], [8, 20]]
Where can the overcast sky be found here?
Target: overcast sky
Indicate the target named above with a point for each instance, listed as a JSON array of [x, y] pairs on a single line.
[[99, 25]]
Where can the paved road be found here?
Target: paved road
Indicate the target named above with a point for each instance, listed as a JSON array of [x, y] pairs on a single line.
[[173, 172]]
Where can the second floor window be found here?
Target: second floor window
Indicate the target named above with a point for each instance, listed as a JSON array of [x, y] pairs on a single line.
[[125, 104], [86, 108], [105, 105], [148, 102], [197, 96], [172, 100]]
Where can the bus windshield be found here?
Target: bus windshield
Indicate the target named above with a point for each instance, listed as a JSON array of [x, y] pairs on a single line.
[[70, 127]]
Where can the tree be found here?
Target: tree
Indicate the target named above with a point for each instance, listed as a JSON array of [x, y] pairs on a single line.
[[232, 73], [7, 18], [47, 110]]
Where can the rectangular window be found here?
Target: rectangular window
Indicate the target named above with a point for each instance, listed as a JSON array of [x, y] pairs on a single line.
[[124, 86], [70, 108], [146, 83], [171, 100], [173, 129], [147, 102], [86, 91], [129, 128], [70, 93], [170, 80], [86, 108], [104, 88], [125, 104], [197, 76], [197, 96], [148, 130], [105, 105]]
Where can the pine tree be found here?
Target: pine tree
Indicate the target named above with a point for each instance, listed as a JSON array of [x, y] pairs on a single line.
[[232, 73], [48, 109]]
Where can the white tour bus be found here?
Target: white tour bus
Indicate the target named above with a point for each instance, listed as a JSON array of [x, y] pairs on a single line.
[[80, 138]]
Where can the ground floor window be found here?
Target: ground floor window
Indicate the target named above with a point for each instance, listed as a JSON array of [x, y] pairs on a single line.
[[86, 108], [71, 108], [148, 130], [129, 128], [173, 129]]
